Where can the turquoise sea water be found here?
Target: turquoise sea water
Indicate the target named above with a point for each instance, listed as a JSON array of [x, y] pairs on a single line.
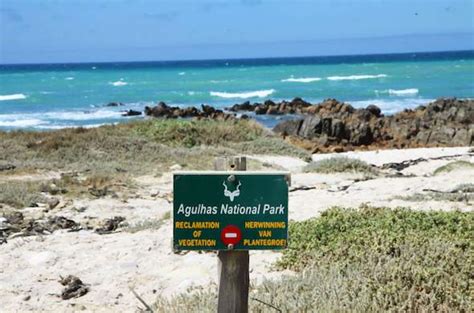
[[64, 95]]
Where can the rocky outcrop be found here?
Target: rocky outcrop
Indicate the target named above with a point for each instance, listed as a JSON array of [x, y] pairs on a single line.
[[297, 105], [162, 110], [333, 125]]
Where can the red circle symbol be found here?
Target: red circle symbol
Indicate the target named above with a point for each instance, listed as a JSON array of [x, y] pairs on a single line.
[[231, 235]]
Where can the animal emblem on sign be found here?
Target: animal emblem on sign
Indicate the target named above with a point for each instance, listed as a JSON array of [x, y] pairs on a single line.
[[231, 194]]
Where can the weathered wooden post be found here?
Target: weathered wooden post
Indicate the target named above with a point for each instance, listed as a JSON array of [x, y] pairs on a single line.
[[232, 211], [233, 266]]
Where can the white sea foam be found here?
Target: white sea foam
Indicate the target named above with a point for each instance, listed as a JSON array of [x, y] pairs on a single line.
[[243, 95], [118, 83], [302, 80], [403, 92], [356, 77], [69, 78], [181, 73], [72, 126], [392, 106], [82, 116], [16, 96], [191, 93], [19, 122]]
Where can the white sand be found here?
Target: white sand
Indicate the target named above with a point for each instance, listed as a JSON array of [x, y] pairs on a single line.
[[111, 264]]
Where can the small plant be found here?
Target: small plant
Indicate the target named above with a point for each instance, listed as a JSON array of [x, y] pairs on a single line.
[[340, 165], [21, 194], [456, 165]]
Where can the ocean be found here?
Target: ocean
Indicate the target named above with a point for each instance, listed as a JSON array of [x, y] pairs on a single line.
[[53, 96]]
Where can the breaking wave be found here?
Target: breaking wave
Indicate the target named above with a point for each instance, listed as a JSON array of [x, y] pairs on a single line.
[[25, 122], [392, 106], [356, 77], [16, 96], [403, 92], [301, 80], [118, 83], [243, 95]]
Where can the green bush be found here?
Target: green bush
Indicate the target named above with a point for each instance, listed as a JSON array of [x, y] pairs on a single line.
[[365, 260]]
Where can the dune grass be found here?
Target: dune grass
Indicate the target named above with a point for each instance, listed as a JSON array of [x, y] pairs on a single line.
[[139, 147], [364, 260], [456, 165], [340, 165], [460, 193], [20, 194]]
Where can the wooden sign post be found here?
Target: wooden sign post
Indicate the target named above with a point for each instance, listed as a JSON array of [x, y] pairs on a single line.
[[233, 266], [232, 211]]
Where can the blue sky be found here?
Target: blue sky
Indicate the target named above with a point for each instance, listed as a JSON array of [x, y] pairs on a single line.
[[33, 31]]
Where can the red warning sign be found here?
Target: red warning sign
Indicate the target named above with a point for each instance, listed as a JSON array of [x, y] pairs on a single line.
[[231, 235]]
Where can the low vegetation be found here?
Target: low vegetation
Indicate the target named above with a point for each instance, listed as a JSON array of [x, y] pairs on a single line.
[[456, 165], [461, 193], [139, 147], [340, 165], [20, 194], [365, 260]]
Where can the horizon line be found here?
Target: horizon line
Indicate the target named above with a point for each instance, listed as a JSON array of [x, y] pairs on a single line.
[[238, 59]]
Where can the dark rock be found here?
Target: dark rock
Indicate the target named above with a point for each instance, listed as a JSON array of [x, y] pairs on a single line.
[[311, 127], [110, 225], [338, 129], [114, 104], [60, 222], [273, 110], [288, 128], [261, 109], [131, 113], [326, 126], [362, 136], [7, 167], [246, 106], [375, 110], [74, 287], [207, 109]]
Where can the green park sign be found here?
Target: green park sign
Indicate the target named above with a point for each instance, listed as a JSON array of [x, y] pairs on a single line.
[[230, 210]]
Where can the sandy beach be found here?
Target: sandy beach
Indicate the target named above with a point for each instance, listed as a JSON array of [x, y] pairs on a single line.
[[142, 260]]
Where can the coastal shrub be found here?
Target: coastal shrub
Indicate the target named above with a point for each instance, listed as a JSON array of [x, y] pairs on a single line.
[[456, 165], [364, 260], [190, 133], [339, 165], [137, 147], [20, 194]]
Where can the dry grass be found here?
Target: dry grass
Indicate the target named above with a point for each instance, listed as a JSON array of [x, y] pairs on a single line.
[[20, 194], [138, 147], [456, 165]]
